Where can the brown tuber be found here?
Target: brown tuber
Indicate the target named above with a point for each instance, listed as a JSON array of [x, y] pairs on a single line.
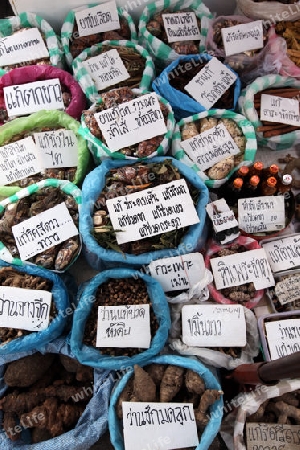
[[144, 388], [194, 383], [171, 383], [207, 399], [26, 371]]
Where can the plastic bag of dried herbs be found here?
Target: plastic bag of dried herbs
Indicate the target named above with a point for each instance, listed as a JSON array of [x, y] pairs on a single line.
[[146, 149], [73, 44], [276, 136], [51, 240], [171, 82], [209, 427], [152, 34], [239, 128], [27, 20], [270, 11], [38, 122], [76, 422], [136, 59], [13, 340], [118, 287], [73, 98], [111, 180]]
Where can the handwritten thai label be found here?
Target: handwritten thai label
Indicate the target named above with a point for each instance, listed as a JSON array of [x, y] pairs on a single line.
[[221, 215], [270, 436], [106, 69], [98, 19], [288, 290], [31, 97], [19, 160], [210, 147], [40, 232], [153, 211], [210, 83], [213, 325], [179, 272], [243, 37], [124, 326], [261, 214], [24, 309], [283, 337], [131, 122], [168, 425], [27, 45], [181, 26], [241, 268], [58, 148], [283, 254], [279, 109]]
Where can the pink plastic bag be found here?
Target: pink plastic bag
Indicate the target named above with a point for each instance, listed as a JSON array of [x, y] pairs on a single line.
[[266, 61], [213, 248], [29, 74], [288, 67]]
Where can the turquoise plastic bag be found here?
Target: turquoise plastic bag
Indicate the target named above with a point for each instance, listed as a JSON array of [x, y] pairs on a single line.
[[60, 297], [216, 410], [91, 356]]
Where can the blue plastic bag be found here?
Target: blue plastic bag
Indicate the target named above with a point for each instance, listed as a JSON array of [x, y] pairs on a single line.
[[91, 425], [91, 356], [100, 258], [182, 104], [216, 410], [60, 297]]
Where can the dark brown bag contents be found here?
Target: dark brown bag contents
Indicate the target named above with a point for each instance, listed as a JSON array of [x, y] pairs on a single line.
[[284, 410], [289, 30], [117, 292], [42, 395]]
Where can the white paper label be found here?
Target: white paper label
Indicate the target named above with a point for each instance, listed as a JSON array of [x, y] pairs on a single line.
[[40, 232], [288, 290], [283, 254], [213, 325], [131, 122], [124, 326], [210, 147], [19, 160], [24, 309], [106, 69], [278, 109], [153, 211], [181, 26], [210, 83], [221, 215], [163, 426], [178, 272], [26, 45], [261, 214], [283, 337], [98, 19], [243, 37], [58, 148], [241, 268], [31, 97], [265, 436]]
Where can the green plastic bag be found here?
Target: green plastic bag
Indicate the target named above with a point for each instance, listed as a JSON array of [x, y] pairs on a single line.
[[37, 121], [241, 121], [246, 106], [31, 20], [87, 83], [67, 34], [162, 53]]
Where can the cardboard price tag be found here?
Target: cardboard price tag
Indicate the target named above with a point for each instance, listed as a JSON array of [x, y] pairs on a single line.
[[288, 290], [266, 436], [152, 211], [210, 83], [243, 37], [168, 425], [283, 337], [19, 160], [100, 18], [283, 254], [210, 147], [40, 232], [278, 109], [124, 326], [261, 214], [24, 99], [58, 148], [181, 26], [24, 309], [27, 45], [213, 325]]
